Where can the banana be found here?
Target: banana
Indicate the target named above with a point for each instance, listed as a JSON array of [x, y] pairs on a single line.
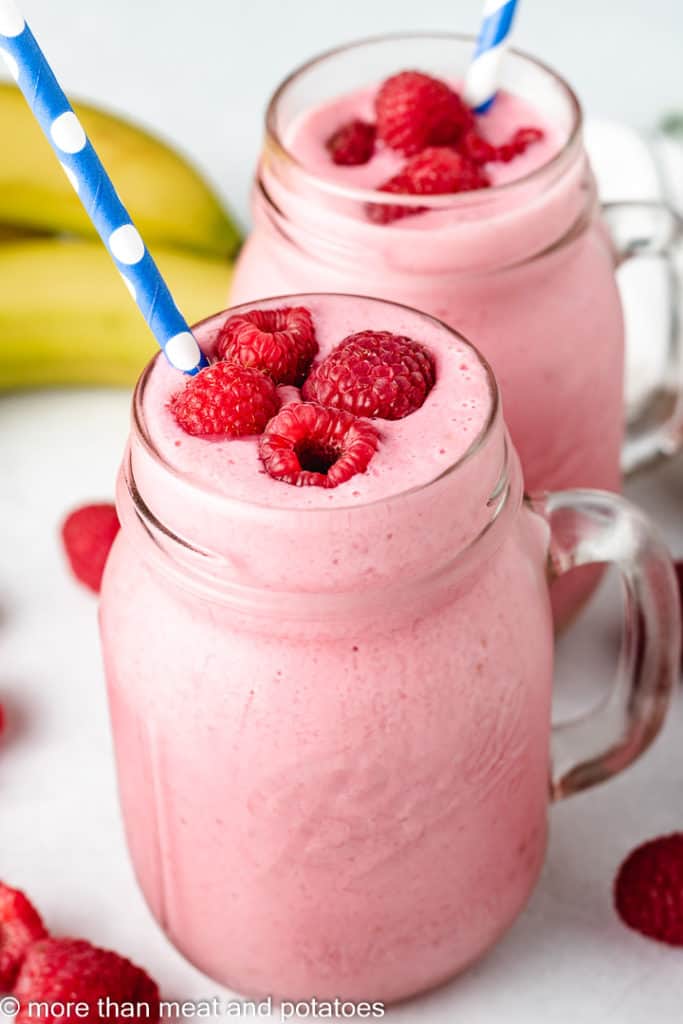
[[11, 233], [67, 319], [168, 200]]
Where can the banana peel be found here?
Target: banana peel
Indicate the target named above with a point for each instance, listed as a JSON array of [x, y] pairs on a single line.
[[12, 233], [167, 198], [66, 317]]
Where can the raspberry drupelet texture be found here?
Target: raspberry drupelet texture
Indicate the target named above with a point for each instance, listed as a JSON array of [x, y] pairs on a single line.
[[648, 892], [479, 151], [226, 400], [435, 171], [374, 374], [20, 927], [65, 972], [353, 143], [88, 534], [308, 445], [279, 342], [415, 110]]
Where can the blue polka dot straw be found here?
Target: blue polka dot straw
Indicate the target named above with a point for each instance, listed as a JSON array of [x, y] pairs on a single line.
[[83, 167], [482, 78]]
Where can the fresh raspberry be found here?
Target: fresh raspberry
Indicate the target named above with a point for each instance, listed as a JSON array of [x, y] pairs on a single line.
[[65, 972], [415, 110], [476, 149], [20, 926], [525, 137], [435, 171], [374, 374], [88, 534], [353, 143], [309, 445], [648, 892], [280, 342], [226, 400]]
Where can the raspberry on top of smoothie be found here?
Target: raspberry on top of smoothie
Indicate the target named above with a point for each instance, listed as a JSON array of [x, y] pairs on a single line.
[[226, 400], [414, 111], [311, 445], [391, 400], [425, 119], [416, 136], [373, 373], [280, 342], [319, 442]]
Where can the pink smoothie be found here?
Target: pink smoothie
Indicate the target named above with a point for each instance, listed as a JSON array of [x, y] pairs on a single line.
[[413, 451], [332, 749], [524, 269], [307, 135]]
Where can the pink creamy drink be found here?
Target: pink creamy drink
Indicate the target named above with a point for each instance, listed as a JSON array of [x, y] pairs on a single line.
[[524, 267], [332, 747], [307, 137], [332, 750]]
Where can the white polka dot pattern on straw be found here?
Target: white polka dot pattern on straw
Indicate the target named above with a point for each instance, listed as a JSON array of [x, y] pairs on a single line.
[[12, 65], [73, 178], [12, 22], [183, 351], [126, 245], [67, 133], [483, 75], [84, 170], [131, 289]]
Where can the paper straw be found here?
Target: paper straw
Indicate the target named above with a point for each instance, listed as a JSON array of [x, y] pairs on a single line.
[[483, 75], [84, 170]]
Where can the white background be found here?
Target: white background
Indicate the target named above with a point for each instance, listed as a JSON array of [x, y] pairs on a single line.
[[200, 72]]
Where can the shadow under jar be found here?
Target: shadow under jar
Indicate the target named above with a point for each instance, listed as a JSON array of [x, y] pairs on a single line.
[[333, 751], [527, 268]]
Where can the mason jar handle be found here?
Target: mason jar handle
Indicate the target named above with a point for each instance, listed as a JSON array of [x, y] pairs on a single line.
[[590, 527], [643, 230]]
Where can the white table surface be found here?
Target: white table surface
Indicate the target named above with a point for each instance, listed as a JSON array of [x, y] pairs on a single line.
[[568, 959]]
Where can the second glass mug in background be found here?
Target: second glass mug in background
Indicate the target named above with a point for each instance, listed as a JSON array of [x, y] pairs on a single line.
[[335, 781], [526, 269]]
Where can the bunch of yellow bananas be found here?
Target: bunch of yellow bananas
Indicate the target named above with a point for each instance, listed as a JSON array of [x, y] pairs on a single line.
[[65, 315]]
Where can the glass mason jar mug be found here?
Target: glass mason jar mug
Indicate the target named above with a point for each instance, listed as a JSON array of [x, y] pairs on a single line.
[[527, 268], [333, 752]]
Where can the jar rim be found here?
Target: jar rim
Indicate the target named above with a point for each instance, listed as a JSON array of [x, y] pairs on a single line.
[[200, 577], [424, 202], [143, 435]]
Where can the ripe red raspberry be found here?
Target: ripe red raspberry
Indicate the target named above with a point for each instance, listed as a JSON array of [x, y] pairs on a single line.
[[435, 171], [648, 892], [71, 971], [308, 445], [374, 374], [280, 342], [88, 534], [476, 148], [20, 926], [479, 151], [225, 400], [353, 143], [415, 110], [525, 137]]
